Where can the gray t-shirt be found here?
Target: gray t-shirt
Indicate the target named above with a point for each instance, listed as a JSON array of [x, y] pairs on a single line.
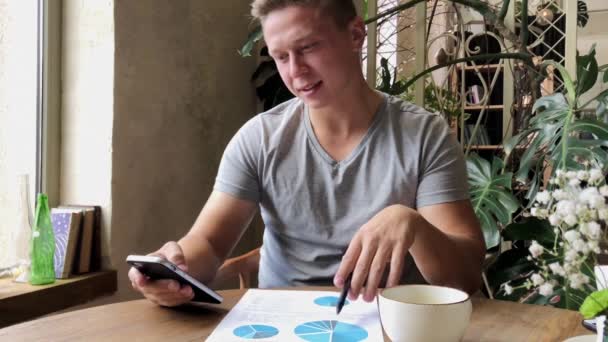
[[312, 205]]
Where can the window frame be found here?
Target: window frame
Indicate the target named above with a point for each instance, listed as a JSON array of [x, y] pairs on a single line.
[[48, 116]]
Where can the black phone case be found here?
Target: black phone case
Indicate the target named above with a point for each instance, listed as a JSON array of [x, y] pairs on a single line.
[[160, 271]]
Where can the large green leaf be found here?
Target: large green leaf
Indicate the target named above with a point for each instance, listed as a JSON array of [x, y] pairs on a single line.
[[490, 195], [602, 101], [530, 229], [254, 36], [586, 71], [595, 303], [511, 265], [555, 133]]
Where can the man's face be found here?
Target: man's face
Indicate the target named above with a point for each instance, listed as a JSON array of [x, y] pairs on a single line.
[[316, 60]]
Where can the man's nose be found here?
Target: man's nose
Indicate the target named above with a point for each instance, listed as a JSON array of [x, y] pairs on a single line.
[[297, 66]]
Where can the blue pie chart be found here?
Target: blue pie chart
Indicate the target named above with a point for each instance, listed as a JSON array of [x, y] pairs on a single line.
[[329, 301], [255, 331], [330, 331]]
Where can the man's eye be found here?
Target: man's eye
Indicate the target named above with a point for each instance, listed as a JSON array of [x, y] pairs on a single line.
[[281, 58], [308, 47]]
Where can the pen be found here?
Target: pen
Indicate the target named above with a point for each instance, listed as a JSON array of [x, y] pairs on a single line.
[[345, 290]]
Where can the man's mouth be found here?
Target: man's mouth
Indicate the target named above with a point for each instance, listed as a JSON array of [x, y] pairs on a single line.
[[310, 87]]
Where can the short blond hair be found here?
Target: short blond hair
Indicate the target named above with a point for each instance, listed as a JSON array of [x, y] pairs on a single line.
[[342, 11]]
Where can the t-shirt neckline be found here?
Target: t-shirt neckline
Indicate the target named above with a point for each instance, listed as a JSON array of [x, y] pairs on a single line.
[[378, 116]]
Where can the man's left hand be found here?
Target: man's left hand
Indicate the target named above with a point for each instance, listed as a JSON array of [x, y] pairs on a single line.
[[384, 239]]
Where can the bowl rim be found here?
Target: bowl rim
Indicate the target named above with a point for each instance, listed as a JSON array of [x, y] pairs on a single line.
[[381, 294]]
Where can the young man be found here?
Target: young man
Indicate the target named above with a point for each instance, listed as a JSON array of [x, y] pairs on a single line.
[[347, 179]]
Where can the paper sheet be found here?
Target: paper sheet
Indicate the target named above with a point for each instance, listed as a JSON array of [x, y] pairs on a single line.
[[275, 315]]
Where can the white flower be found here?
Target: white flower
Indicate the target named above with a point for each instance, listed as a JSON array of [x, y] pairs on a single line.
[[543, 197], [595, 175], [582, 175], [583, 228], [594, 246], [602, 214], [539, 212], [574, 182], [534, 211], [560, 173], [572, 235], [546, 289], [535, 249], [586, 194], [571, 174], [537, 279], [577, 280], [597, 202], [36, 234], [570, 255], [557, 269], [604, 190], [555, 220], [508, 289], [580, 246], [571, 220], [565, 207], [559, 194], [594, 229], [582, 210]]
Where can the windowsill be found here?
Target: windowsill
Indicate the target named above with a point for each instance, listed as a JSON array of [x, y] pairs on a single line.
[[21, 302]]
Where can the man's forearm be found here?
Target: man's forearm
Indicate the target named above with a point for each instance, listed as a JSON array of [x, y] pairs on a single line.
[[448, 260], [200, 256]]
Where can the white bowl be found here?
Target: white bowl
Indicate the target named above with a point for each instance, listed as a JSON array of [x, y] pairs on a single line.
[[424, 313]]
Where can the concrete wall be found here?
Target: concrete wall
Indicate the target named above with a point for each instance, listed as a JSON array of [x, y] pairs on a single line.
[[179, 93], [87, 107]]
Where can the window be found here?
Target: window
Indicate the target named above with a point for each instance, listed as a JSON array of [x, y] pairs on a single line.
[[595, 33], [23, 109]]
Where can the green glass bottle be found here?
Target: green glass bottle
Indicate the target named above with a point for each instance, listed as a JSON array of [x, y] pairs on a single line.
[[42, 270]]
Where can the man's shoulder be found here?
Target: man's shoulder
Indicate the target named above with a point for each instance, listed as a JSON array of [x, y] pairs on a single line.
[[282, 110], [274, 120], [407, 110], [410, 117]]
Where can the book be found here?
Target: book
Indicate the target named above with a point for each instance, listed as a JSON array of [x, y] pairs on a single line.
[[476, 94], [85, 245], [66, 227]]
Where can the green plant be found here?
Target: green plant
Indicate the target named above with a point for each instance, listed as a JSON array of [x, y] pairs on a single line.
[[557, 138], [491, 196], [439, 100]]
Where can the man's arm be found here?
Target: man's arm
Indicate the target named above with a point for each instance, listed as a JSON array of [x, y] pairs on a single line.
[[445, 241], [449, 248], [216, 231]]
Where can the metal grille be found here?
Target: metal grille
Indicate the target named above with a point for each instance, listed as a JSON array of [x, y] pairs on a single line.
[[395, 40], [547, 39]]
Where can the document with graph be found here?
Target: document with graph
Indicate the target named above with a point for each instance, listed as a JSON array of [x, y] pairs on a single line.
[[283, 315]]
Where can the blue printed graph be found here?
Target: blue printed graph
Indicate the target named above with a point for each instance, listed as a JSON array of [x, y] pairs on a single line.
[[328, 301], [330, 331], [255, 331]]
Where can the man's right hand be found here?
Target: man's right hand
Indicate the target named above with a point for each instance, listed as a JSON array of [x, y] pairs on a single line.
[[165, 292]]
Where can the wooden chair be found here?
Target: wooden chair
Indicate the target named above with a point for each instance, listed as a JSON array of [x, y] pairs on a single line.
[[244, 266]]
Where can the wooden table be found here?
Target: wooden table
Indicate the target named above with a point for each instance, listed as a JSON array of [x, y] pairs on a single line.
[[141, 320], [21, 302]]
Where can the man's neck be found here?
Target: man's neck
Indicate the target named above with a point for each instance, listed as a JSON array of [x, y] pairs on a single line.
[[348, 116], [339, 128]]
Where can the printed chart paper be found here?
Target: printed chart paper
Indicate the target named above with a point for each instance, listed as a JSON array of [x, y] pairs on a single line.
[[274, 315]]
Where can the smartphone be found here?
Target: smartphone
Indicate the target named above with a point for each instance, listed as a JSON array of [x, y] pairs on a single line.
[[159, 268]]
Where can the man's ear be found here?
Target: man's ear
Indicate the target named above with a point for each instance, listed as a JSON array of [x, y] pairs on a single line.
[[356, 29]]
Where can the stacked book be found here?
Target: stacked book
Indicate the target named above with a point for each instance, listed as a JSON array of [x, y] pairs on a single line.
[[77, 231]]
